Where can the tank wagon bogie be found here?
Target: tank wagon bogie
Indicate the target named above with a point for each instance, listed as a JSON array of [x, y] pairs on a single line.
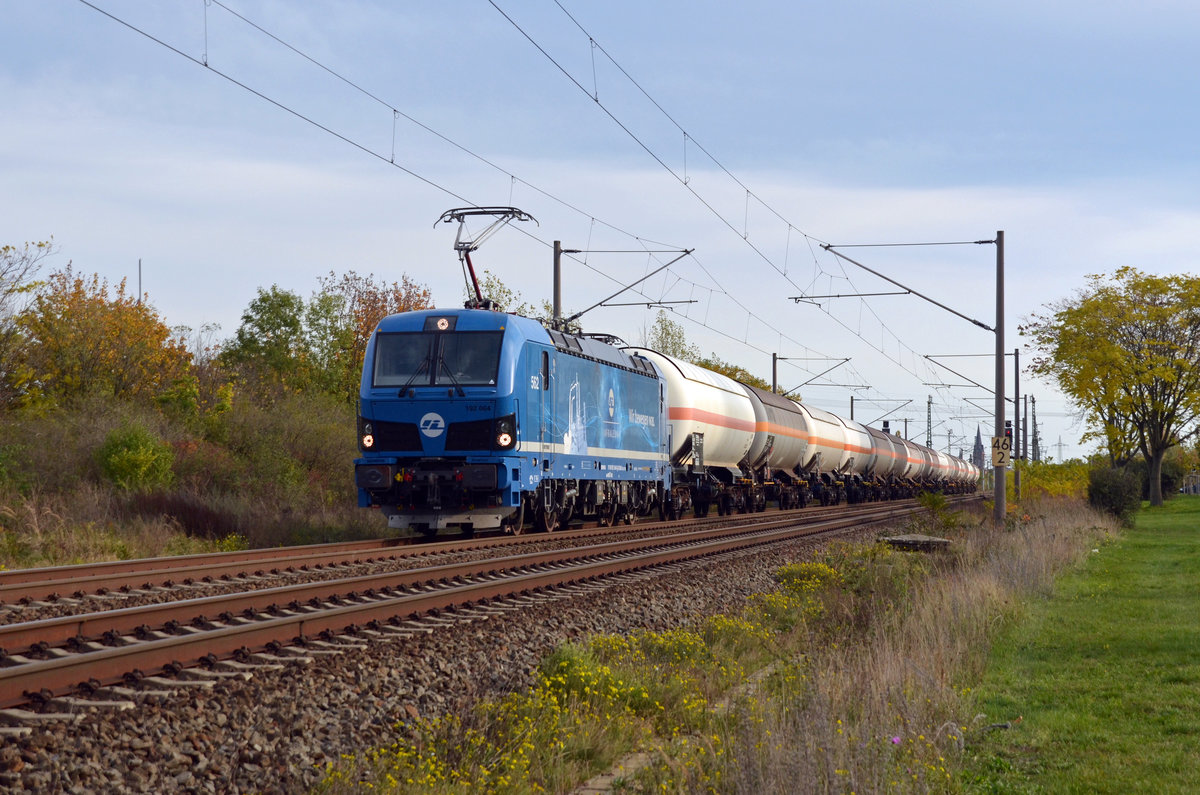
[[479, 419]]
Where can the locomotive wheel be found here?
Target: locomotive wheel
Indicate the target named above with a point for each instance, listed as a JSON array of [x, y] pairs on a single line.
[[605, 513], [515, 524], [547, 520]]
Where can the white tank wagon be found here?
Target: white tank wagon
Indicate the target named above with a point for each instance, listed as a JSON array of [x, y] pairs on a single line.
[[891, 462], [944, 469], [712, 427], [781, 450], [740, 447]]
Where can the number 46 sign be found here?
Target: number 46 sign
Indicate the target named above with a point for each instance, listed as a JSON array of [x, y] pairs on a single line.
[[1001, 451]]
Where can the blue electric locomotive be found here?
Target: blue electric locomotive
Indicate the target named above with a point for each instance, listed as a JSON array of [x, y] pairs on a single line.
[[480, 419]]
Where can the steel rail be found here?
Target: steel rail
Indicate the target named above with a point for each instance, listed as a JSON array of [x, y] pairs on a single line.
[[39, 635], [21, 585], [78, 571], [62, 674]]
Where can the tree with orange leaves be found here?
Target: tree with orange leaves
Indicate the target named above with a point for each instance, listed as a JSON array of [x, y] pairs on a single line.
[[350, 307], [78, 339]]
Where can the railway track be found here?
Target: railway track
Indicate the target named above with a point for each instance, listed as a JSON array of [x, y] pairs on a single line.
[[25, 588], [50, 663]]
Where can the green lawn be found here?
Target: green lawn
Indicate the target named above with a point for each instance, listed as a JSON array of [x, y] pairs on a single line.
[[1104, 675]]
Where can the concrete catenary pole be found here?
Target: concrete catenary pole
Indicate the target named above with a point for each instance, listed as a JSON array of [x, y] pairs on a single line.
[[999, 496]]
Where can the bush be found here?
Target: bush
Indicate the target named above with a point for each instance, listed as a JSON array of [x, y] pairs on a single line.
[[1115, 491], [134, 459], [14, 468]]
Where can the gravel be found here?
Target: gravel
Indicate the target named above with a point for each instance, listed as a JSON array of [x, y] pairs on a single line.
[[276, 731]]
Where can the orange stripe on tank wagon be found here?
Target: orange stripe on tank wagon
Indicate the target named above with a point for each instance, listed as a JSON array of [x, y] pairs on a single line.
[[783, 430], [710, 417]]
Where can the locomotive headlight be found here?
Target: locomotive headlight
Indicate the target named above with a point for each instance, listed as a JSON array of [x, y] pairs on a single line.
[[506, 431], [368, 436]]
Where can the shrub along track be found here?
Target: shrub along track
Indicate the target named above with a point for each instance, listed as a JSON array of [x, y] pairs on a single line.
[[339, 629]]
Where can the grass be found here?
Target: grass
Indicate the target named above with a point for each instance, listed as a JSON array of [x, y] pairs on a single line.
[[1104, 676]]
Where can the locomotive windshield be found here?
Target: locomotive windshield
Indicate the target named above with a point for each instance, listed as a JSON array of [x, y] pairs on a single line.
[[460, 358]]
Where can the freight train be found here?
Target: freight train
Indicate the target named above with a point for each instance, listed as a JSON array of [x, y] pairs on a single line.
[[478, 419]]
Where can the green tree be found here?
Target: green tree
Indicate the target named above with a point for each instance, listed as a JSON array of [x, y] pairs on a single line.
[[1126, 349], [736, 372], [667, 337], [330, 339], [507, 299], [285, 343], [270, 348], [78, 340], [18, 266]]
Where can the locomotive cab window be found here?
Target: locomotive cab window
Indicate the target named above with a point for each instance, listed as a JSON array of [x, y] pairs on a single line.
[[469, 358], [466, 358]]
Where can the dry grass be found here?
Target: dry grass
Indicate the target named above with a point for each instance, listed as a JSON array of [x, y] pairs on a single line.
[[888, 706], [41, 529]]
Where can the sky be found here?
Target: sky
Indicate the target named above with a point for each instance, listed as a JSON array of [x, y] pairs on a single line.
[[230, 146]]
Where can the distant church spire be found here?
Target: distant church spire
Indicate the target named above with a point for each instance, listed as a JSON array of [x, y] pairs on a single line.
[[977, 453]]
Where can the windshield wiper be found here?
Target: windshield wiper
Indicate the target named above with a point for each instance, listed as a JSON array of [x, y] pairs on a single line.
[[424, 368], [443, 366]]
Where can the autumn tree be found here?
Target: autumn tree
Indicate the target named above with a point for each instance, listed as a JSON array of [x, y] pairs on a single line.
[[1126, 350], [18, 266], [78, 340], [350, 307]]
